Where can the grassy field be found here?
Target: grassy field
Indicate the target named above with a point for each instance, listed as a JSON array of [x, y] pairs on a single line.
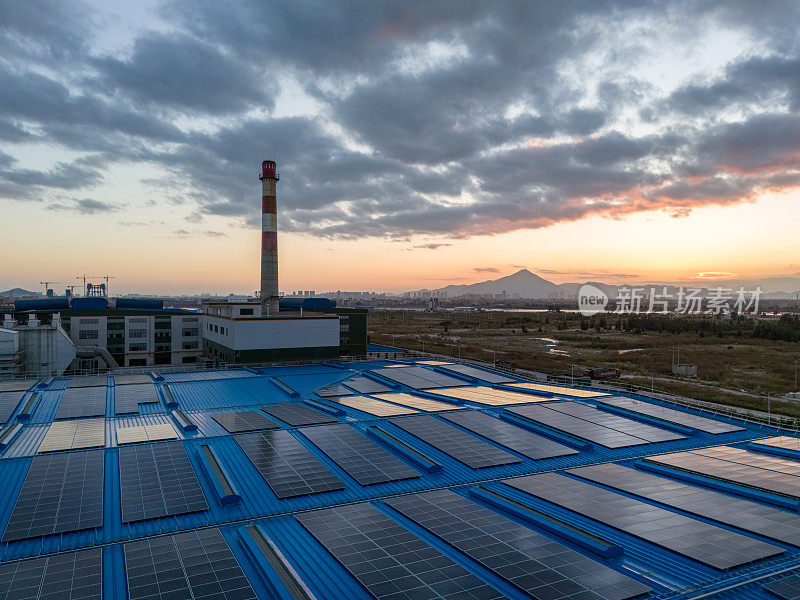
[[732, 366]]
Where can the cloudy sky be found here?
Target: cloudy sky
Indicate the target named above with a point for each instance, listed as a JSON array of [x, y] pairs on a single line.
[[419, 144]]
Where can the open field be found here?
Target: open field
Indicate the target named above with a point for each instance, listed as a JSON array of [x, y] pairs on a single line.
[[733, 366]]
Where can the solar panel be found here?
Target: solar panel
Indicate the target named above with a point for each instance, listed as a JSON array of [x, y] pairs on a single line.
[[670, 415], [433, 363], [462, 446], [762, 519], [621, 424], [72, 435], [158, 480], [208, 375], [476, 373], [490, 396], [740, 474], [8, 404], [297, 414], [787, 588], [131, 379], [559, 389], [88, 381], [64, 576], [419, 378], [375, 407], [145, 433], [783, 442], [364, 461], [286, 465], [710, 545], [82, 402], [388, 560], [127, 398], [577, 427], [61, 492], [195, 565], [331, 391], [752, 459], [244, 421], [517, 439], [364, 385], [418, 402], [17, 385], [531, 561]]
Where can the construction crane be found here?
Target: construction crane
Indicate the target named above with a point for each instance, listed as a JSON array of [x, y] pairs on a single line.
[[107, 277], [46, 285], [84, 282]]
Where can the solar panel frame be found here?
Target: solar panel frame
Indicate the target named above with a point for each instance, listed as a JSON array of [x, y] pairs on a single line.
[[73, 435], [705, 543], [158, 480], [670, 415], [786, 588], [643, 431], [531, 561], [456, 443], [762, 519], [519, 440], [76, 575], [418, 402], [127, 398], [491, 396], [388, 560], [287, 466], [146, 433], [365, 385], [362, 459], [8, 404], [62, 492], [196, 565], [298, 414], [591, 432], [82, 402], [477, 373], [238, 422], [374, 407]]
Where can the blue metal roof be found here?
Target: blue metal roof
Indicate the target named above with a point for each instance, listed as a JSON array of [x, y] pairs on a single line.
[[202, 394]]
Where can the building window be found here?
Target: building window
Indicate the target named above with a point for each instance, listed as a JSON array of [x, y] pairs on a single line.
[[216, 329], [190, 345], [189, 320], [137, 333], [222, 330], [193, 331], [137, 348], [89, 321], [137, 320], [89, 334], [246, 311]]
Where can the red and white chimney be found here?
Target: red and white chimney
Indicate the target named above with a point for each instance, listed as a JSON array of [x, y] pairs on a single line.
[[269, 238]]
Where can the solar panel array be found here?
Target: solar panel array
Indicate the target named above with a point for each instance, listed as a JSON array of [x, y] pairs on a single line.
[[158, 480], [419, 378], [531, 561], [560, 389], [65, 576], [74, 435], [767, 479], [8, 403], [670, 415], [82, 402], [388, 560], [490, 396], [207, 375], [783, 442], [332, 391], [195, 565], [417, 402], [88, 381], [476, 373], [374, 407], [765, 520], [244, 421], [146, 433], [454, 442], [286, 465], [710, 545], [577, 427], [753, 459], [515, 438], [640, 430], [61, 492], [131, 379], [127, 398], [298, 414], [363, 460], [787, 588], [17, 385], [365, 385]]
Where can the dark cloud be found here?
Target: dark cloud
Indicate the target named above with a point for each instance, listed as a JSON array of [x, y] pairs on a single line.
[[449, 118], [486, 270], [432, 246], [84, 206]]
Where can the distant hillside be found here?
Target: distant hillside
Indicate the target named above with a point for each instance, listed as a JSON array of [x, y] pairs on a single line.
[[522, 284], [18, 293]]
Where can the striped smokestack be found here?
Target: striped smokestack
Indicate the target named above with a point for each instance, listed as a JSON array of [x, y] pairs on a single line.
[[269, 239]]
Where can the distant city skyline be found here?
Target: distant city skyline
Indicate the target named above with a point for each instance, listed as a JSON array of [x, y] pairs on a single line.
[[419, 144]]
